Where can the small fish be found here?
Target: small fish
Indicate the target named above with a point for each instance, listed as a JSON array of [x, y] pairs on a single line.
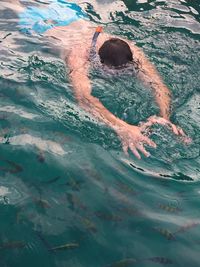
[[130, 211], [13, 245], [161, 260], [166, 233], [108, 217], [187, 227], [74, 184], [65, 246], [53, 180], [170, 208], [15, 168], [42, 203], [92, 173], [125, 188], [75, 202], [89, 225], [124, 263]]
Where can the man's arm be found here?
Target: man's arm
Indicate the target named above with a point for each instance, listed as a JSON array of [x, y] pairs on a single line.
[[130, 135], [150, 77]]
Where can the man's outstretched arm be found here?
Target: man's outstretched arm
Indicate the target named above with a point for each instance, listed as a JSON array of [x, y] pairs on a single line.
[[130, 135], [151, 78]]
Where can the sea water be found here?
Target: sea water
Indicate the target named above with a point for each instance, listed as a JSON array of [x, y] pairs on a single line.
[[69, 197]]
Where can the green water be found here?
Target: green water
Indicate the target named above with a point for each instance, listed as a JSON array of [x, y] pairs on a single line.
[[64, 178]]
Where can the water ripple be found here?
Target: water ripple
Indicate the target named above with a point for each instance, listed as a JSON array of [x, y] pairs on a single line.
[[119, 210]]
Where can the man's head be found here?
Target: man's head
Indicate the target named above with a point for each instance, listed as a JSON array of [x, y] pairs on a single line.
[[115, 52]]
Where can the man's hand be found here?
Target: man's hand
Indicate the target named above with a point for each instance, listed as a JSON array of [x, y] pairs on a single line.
[[159, 120], [132, 138]]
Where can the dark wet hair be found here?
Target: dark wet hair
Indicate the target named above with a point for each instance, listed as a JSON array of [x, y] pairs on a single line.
[[115, 52]]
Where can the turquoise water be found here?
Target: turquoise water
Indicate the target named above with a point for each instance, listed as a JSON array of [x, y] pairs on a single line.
[[64, 179]]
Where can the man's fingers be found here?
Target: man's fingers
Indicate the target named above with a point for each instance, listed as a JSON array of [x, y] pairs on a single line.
[[145, 125], [159, 120], [174, 129], [187, 140], [135, 152], [181, 132], [125, 148], [149, 142], [162, 121], [143, 150]]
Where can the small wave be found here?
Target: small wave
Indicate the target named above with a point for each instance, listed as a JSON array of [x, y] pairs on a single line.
[[20, 112], [161, 174], [41, 144]]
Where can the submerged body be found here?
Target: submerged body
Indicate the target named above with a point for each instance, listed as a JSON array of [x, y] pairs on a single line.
[[73, 37]]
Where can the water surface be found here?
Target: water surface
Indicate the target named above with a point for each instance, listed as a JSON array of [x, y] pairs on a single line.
[[64, 178]]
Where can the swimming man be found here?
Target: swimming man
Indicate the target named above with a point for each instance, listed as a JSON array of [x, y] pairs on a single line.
[[81, 42]]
